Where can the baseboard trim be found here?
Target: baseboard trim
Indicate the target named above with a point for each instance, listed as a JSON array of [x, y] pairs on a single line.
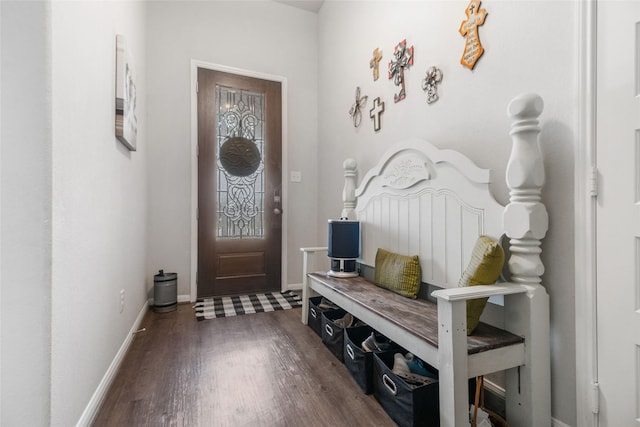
[[294, 287], [558, 423], [184, 298], [494, 399], [90, 412]]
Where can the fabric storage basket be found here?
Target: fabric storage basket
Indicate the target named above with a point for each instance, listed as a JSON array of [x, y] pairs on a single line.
[[406, 404], [332, 334], [358, 361], [314, 318]]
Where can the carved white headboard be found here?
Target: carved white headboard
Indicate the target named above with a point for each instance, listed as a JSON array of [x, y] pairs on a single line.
[[421, 200]]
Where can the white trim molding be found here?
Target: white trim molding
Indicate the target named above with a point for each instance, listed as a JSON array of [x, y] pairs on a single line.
[[585, 220], [558, 423], [195, 64], [91, 410]]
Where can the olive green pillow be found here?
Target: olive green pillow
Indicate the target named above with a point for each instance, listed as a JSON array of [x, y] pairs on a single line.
[[398, 273], [484, 268]]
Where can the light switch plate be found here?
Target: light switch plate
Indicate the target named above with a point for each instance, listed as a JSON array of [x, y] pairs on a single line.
[[296, 176]]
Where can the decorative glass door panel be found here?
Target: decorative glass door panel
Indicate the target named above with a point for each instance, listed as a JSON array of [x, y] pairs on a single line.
[[239, 177], [240, 145]]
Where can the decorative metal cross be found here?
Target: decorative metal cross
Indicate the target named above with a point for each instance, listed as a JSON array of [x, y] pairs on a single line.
[[473, 50], [375, 63], [356, 109], [403, 59], [375, 112], [434, 76]]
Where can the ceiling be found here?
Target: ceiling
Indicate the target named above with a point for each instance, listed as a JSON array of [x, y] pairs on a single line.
[[310, 5]]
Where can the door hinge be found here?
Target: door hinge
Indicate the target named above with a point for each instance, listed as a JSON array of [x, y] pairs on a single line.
[[197, 213], [197, 150], [197, 87], [595, 398], [593, 182]]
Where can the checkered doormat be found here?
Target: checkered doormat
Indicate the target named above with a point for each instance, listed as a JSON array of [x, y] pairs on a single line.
[[210, 308]]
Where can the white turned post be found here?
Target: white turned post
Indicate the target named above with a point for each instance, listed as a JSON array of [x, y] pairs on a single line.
[[528, 387], [349, 192], [525, 217]]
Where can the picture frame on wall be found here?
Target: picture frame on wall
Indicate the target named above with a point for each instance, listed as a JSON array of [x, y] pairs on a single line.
[[126, 122]]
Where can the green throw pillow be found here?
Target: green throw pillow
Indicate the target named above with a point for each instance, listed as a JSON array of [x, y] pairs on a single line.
[[484, 268], [398, 273]]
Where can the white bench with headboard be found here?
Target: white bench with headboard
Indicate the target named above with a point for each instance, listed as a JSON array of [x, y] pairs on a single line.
[[434, 203]]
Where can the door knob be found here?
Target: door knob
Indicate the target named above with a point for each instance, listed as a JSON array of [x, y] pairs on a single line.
[[276, 201]]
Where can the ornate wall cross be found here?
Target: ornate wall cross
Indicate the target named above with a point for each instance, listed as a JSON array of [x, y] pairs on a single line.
[[356, 109], [375, 63], [473, 50], [403, 59], [429, 84], [375, 112]]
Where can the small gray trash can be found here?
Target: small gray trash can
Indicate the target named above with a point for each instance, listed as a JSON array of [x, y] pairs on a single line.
[[165, 292]]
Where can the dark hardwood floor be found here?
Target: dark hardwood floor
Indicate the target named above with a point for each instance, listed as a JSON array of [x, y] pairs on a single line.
[[263, 369]]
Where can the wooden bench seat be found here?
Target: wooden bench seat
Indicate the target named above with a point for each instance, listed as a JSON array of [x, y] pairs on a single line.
[[418, 317], [436, 333]]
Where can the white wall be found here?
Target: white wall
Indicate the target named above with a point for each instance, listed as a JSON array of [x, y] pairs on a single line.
[[25, 262], [530, 46], [258, 36], [99, 210], [76, 216]]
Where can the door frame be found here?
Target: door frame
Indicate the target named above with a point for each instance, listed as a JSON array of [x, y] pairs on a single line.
[[586, 187], [195, 64]]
